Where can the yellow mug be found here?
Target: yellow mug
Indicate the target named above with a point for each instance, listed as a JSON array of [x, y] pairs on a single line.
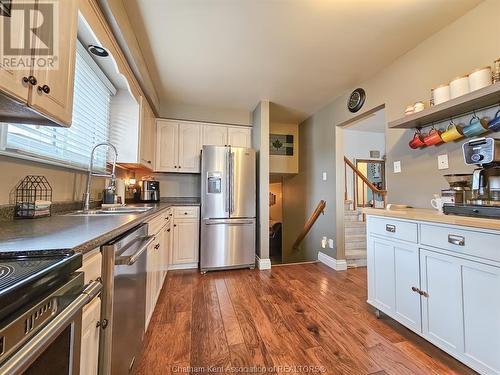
[[453, 133]]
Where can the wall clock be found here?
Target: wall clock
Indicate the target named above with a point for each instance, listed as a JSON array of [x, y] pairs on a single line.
[[356, 100]]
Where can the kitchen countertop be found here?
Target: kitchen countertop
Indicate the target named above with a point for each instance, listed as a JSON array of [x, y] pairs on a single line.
[[431, 215], [79, 233]]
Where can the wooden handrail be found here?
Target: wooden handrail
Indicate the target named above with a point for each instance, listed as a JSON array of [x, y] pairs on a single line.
[[307, 227], [363, 177]]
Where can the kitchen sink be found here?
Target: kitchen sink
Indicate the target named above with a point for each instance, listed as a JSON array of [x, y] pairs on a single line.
[[111, 211]]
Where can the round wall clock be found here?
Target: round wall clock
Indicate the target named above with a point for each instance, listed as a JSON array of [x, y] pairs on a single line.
[[356, 100]]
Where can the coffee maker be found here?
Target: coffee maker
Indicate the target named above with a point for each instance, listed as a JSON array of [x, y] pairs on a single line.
[[485, 198]]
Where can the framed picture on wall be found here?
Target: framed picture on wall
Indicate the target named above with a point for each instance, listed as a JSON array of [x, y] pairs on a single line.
[[281, 144]]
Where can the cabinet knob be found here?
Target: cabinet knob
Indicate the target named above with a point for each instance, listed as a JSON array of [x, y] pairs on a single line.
[[422, 293], [149, 161], [103, 324], [31, 80], [185, 213], [175, 166], [44, 88], [179, 167], [175, 225], [168, 230]]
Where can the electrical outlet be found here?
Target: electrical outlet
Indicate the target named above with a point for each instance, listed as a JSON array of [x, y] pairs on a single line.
[[330, 243], [323, 243], [397, 166], [324, 176], [443, 161]]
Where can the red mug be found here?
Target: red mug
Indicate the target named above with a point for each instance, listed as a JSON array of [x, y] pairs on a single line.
[[433, 138], [417, 140]]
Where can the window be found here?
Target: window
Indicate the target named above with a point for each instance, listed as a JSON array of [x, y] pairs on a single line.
[[90, 125]]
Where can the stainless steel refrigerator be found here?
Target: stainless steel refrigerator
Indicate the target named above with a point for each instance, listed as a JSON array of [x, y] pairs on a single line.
[[228, 190]]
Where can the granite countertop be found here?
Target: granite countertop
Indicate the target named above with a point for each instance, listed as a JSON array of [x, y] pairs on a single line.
[[431, 215], [79, 233]]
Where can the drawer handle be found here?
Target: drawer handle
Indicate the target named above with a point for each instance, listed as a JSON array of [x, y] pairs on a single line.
[[415, 289], [390, 228], [157, 246], [456, 240]]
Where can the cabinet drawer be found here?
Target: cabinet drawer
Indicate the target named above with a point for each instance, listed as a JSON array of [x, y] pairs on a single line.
[[185, 212], [469, 242], [391, 228], [91, 265], [155, 224]]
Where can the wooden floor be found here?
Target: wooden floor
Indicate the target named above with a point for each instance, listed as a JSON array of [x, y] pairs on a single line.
[[295, 318]]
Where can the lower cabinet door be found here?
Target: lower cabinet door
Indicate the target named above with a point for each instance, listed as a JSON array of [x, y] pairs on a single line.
[[185, 241], [442, 310], [381, 275], [481, 299], [90, 338], [407, 282]]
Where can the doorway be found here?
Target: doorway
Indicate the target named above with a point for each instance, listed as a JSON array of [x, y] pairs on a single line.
[[276, 220]]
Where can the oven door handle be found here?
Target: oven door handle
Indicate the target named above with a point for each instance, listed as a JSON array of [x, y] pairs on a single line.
[[27, 354]]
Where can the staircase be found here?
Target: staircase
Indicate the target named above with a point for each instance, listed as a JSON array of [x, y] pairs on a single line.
[[354, 236]]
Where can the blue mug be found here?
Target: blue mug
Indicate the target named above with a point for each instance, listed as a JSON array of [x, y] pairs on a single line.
[[475, 127], [494, 124]]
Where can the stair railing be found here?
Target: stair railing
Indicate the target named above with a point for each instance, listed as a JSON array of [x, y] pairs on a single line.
[[364, 183], [310, 222]]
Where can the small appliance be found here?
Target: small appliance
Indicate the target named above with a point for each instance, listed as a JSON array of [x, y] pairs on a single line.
[[485, 195], [459, 190], [148, 191]]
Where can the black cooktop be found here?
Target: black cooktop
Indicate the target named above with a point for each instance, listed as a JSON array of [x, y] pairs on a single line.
[[24, 278], [472, 210]]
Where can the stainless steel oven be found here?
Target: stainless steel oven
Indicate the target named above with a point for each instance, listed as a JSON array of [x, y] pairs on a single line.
[[44, 336]]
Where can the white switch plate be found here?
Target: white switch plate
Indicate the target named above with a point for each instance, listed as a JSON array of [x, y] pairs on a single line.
[[443, 161], [324, 176], [397, 166], [330, 243]]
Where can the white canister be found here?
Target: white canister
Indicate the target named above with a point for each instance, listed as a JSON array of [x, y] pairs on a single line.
[[441, 94], [480, 78], [459, 86]]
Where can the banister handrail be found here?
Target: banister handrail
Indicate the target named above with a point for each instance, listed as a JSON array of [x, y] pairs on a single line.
[[363, 177], [307, 227]]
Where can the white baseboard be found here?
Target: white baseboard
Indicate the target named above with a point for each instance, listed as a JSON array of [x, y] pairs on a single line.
[[263, 264], [336, 264], [183, 266]]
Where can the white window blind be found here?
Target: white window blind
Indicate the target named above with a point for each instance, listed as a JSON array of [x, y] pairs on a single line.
[[90, 125]]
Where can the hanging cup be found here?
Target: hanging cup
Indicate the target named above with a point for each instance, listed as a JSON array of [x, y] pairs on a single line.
[[452, 133], [433, 138], [417, 141], [476, 127], [494, 123]]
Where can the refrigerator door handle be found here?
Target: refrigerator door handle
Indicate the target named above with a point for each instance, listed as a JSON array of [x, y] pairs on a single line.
[[228, 221], [231, 174], [226, 189]]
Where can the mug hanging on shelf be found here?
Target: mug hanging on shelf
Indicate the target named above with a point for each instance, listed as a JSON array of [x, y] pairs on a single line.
[[476, 127], [452, 133], [433, 138], [494, 123], [417, 141]]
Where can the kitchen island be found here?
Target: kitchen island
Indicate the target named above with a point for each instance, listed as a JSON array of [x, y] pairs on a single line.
[[439, 276]]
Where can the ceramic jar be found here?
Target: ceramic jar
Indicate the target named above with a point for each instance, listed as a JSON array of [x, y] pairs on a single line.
[[480, 78], [459, 86]]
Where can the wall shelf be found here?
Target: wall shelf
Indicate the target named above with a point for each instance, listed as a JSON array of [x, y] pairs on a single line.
[[476, 100]]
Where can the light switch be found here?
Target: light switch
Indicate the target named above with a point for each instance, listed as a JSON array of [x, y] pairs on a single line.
[[330, 243], [324, 176], [443, 161], [397, 166]]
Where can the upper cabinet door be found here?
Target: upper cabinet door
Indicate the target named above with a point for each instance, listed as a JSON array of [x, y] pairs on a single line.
[[147, 138], [214, 135], [52, 96], [11, 80], [239, 137], [189, 148], [167, 135]]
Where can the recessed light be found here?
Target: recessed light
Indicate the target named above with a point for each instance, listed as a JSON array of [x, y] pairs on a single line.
[[98, 51]]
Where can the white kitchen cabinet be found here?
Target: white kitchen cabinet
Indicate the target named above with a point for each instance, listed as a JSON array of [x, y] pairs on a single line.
[[239, 136], [442, 308], [178, 147], [45, 88], [153, 283], [214, 135], [393, 272], [147, 136], [90, 337], [189, 148], [456, 304], [185, 237]]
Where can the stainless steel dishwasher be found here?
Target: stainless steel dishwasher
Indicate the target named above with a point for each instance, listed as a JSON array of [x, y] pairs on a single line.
[[124, 300]]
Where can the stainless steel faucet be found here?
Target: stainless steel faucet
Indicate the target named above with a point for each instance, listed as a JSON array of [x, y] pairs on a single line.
[[86, 200]]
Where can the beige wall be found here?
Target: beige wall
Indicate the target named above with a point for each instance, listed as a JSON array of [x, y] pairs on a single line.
[[206, 114], [67, 185], [285, 164], [471, 41], [260, 141]]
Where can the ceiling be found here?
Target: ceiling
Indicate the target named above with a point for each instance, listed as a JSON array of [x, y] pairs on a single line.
[[299, 54]]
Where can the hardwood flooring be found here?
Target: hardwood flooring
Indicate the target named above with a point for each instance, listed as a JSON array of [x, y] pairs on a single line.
[[302, 318]]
